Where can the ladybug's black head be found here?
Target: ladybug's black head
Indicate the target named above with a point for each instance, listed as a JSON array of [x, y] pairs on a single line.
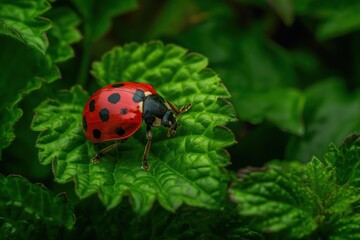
[[157, 111], [169, 120]]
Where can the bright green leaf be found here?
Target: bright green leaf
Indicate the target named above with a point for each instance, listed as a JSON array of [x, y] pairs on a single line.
[[345, 228], [97, 14], [63, 33], [29, 210], [22, 20], [330, 114], [187, 168]]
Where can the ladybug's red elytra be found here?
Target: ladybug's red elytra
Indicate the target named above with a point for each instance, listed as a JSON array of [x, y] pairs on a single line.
[[116, 111]]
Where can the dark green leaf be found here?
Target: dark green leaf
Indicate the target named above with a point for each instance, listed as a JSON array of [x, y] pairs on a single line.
[[20, 74], [21, 20], [296, 203], [340, 22], [346, 160], [285, 9], [63, 33], [187, 168], [23, 69], [258, 72], [28, 210], [277, 202], [97, 14], [330, 115]]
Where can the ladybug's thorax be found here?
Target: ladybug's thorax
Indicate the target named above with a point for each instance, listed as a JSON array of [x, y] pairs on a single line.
[[157, 112]]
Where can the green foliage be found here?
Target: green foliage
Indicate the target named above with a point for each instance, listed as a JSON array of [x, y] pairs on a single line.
[[185, 168], [30, 210], [307, 202], [290, 69], [329, 118], [97, 14], [22, 21], [35, 67]]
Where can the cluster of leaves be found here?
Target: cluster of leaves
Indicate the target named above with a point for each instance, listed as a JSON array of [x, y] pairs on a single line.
[[279, 61]]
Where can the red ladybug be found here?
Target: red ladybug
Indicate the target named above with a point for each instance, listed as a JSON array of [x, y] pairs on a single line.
[[116, 111]]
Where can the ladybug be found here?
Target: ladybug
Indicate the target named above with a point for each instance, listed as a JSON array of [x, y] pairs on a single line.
[[116, 111]]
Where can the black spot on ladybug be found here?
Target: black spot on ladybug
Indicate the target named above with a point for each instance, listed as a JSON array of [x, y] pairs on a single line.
[[131, 118], [92, 105], [84, 123], [139, 95], [97, 133], [123, 110], [119, 131], [114, 98], [104, 114], [117, 85]]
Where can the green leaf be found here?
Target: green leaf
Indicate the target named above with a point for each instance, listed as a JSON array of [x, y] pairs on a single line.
[[346, 160], [21, 20], [345, 228], [22, 70], [334, 18], [28, 210], [297, 203], [266, 94], [259, 73], [277, 202], [187, 168], [97, 14], [63, 33], [340, 22], [330, 114], [285, 9], [187, 223]]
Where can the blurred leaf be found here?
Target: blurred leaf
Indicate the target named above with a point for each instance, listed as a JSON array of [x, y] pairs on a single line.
[[63, 33], [21, 20], [97, 14], [330, 114], [260, 82], [333, 18], [185, 168], [285, 9], [20, 74], [341, 22], [30, 211], [296, 204], [259, 73]]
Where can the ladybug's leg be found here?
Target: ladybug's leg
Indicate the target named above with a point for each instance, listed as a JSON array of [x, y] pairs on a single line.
[[103, 151], [145, 164]]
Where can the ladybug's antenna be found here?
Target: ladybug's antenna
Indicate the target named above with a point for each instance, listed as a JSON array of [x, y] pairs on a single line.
[[172, 129], [184, 109]]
